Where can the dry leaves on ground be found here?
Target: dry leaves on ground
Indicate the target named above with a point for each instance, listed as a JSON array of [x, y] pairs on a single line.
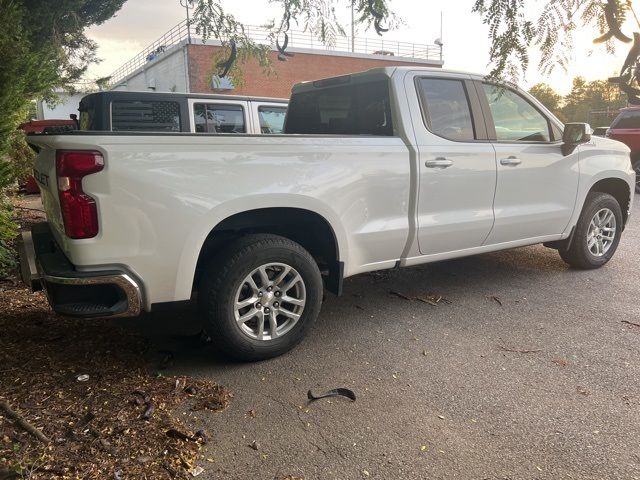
[[113, 424]]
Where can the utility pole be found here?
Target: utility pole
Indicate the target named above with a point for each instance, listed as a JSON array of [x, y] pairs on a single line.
[[187, 4], [353, 26]]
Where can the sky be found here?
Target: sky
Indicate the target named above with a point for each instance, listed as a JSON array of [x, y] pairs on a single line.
[[466, 44]]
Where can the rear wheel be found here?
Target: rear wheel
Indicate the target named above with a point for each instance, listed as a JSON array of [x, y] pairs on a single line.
[[636, 167], [260, 297], [597, 233]]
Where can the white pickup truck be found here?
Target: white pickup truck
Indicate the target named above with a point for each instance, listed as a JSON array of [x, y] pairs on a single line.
[[386, 168]]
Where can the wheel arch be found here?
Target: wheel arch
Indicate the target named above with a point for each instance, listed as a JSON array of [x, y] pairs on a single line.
[[618, 189], [316, 228]]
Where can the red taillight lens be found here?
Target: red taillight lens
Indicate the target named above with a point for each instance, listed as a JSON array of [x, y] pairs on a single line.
[[79, 211]]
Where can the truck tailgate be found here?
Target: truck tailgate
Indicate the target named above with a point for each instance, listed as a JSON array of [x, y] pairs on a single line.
[[44, 172]]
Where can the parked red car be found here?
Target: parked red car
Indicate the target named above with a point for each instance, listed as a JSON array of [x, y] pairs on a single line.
[[626, 129], [38, 126]]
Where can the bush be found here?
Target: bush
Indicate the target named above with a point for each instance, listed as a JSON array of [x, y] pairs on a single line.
[[8, 229], [14, 168]]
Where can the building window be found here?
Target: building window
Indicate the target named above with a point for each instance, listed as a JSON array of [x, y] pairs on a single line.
[[218, 118]]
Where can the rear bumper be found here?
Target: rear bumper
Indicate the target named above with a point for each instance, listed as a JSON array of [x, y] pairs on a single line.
[[109, 293]]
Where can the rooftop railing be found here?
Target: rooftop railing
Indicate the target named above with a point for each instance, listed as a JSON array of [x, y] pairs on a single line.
[[297, 39]]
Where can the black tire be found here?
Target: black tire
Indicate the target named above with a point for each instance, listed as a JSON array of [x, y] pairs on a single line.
[[636, 167], [578, 254], [226, 274]]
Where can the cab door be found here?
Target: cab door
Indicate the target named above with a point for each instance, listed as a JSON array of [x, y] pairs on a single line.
[[456, 167], [537, 185]]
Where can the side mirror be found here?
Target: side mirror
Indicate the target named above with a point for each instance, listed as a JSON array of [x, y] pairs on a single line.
[[575, 134]]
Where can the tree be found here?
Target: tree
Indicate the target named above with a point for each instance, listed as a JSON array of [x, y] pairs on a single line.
[[591, 101], [548, 97]]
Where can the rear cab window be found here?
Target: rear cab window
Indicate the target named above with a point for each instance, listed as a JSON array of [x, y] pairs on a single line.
[[351, 109], [144, 116], [218, 118]]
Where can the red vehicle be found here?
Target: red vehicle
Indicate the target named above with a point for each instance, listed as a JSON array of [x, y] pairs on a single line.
[[626, 129], [38, 126]]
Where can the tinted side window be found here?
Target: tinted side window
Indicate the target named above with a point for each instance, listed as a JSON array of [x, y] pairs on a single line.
[[628, 119], [515, 119], [272, 119], [448, 113], [362, 109], [145, 116], [216, 118]]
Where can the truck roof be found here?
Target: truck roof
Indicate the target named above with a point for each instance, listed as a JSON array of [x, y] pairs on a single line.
[[367, 75], [208, 96]]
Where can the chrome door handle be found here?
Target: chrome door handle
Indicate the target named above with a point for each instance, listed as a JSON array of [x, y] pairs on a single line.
[[511, 161], [439, 162]]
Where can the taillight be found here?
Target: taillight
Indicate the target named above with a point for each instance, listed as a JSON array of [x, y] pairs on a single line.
[[79, 211]]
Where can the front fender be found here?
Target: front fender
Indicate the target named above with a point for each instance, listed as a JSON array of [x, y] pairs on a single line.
[[597, 164]]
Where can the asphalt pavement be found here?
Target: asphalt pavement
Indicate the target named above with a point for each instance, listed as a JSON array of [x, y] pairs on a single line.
[[525, 369]]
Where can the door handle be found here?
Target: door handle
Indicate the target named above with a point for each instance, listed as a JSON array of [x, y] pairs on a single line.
[[439, 162], [511, 161]]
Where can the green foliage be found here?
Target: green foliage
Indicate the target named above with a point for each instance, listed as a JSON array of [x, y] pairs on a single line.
[[549, 98], [513, 33], [594, 102], [7, 226], [587, 98], [315, 16]]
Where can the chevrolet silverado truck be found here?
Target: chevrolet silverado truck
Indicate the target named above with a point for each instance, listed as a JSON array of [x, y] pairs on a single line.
[[387, 168]]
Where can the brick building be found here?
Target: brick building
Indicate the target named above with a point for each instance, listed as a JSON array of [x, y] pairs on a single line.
[[179, 63]]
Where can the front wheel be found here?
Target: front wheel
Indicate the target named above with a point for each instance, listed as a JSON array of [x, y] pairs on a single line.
[[260, 297], [597, 233]]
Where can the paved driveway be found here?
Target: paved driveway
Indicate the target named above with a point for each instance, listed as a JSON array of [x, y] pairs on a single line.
[[546, 385]]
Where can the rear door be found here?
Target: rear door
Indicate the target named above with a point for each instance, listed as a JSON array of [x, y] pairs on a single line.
[[537, 185], [457, 169]]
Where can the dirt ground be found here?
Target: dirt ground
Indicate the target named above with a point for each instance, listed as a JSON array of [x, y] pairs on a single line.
[[89, 400]]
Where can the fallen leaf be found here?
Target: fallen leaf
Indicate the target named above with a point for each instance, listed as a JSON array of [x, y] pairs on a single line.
[[196, 471]]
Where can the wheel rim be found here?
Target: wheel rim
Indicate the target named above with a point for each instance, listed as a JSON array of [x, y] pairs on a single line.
[[602, 232], [269, 302]]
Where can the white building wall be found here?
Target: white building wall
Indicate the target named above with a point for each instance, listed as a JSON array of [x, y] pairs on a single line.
[[166, 73], [61, 110]]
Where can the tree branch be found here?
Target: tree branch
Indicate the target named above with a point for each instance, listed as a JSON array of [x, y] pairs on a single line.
[[21, 422]]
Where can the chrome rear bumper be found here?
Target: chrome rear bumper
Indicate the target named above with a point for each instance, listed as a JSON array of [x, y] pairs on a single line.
[[112, 293]]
